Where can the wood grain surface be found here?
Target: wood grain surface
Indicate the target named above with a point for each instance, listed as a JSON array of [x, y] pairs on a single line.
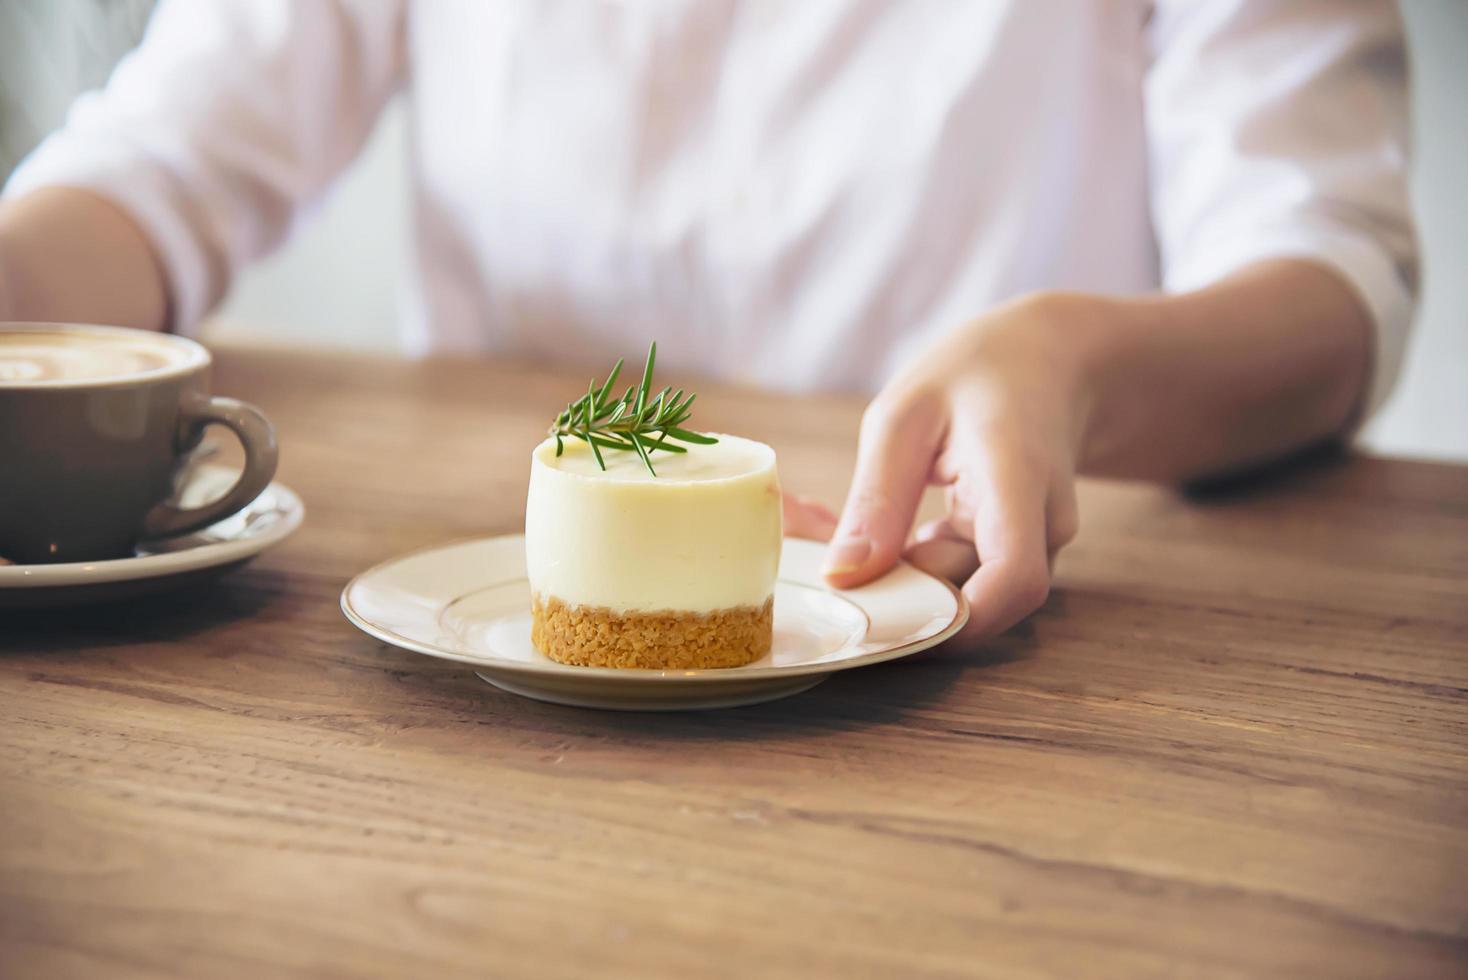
[[1233, 744]]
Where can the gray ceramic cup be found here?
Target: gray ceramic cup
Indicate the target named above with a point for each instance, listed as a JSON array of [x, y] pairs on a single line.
[[94, 424]]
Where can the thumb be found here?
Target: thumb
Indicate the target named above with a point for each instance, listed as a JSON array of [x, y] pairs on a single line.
[[898, 443]]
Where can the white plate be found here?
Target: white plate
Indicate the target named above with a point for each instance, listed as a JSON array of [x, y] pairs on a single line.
[[164, 563], [470, 602]]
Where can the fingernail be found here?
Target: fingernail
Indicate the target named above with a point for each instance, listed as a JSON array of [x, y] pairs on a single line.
[[847, 555]]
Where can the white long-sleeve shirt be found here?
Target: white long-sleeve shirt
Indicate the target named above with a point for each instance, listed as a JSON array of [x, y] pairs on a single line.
[[797, 194]]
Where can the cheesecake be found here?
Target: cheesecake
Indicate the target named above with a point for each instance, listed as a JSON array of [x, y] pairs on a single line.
[[670, 570]]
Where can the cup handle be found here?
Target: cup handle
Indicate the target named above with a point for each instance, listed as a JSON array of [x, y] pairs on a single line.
[[255, 433]]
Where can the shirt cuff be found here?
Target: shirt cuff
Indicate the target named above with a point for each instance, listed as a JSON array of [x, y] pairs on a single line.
[[152, 199], [1366, 269]]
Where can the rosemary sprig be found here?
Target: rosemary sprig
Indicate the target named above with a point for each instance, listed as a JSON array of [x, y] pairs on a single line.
[[639, 421]]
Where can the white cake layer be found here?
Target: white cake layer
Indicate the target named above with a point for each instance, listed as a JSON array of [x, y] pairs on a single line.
[[704, 534]]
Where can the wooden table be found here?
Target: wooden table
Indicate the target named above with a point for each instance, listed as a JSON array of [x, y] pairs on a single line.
[[1233, 744]]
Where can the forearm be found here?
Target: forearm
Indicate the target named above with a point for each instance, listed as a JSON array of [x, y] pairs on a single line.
[[1181, 387], [67, 255]]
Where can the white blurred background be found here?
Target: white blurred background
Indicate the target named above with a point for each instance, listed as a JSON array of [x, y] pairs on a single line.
[[337, 282]]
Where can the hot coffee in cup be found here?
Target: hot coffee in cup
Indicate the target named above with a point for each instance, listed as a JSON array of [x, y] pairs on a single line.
[[94, 422]]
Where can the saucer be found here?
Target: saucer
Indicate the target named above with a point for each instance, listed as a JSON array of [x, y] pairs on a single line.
[[165, 563], [470, 602]]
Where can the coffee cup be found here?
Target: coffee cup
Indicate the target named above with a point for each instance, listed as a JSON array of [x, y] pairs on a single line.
[[94, 425]]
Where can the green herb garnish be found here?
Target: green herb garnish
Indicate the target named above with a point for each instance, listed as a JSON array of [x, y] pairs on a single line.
[[637, 422]]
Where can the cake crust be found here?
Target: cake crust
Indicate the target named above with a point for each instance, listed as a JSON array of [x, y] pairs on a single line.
[[592, 636]]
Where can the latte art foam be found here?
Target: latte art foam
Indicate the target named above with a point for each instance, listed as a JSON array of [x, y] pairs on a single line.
[[38, 356]]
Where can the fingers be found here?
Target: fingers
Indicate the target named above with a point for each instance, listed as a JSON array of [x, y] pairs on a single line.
[[1010, 538], [806, 518], [946, 546], [940, 550], [894, 457], [1063, 515]]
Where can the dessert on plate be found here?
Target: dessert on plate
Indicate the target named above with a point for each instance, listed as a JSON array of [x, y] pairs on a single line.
[[649, 545]]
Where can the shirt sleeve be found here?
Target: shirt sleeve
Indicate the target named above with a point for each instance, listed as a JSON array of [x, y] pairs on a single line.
[[1277, 129], [220, 130]]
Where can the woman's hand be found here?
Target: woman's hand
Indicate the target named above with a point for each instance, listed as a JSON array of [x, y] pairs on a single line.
[[7, 305], [1160, 387], [68, 255], [993, 414]]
